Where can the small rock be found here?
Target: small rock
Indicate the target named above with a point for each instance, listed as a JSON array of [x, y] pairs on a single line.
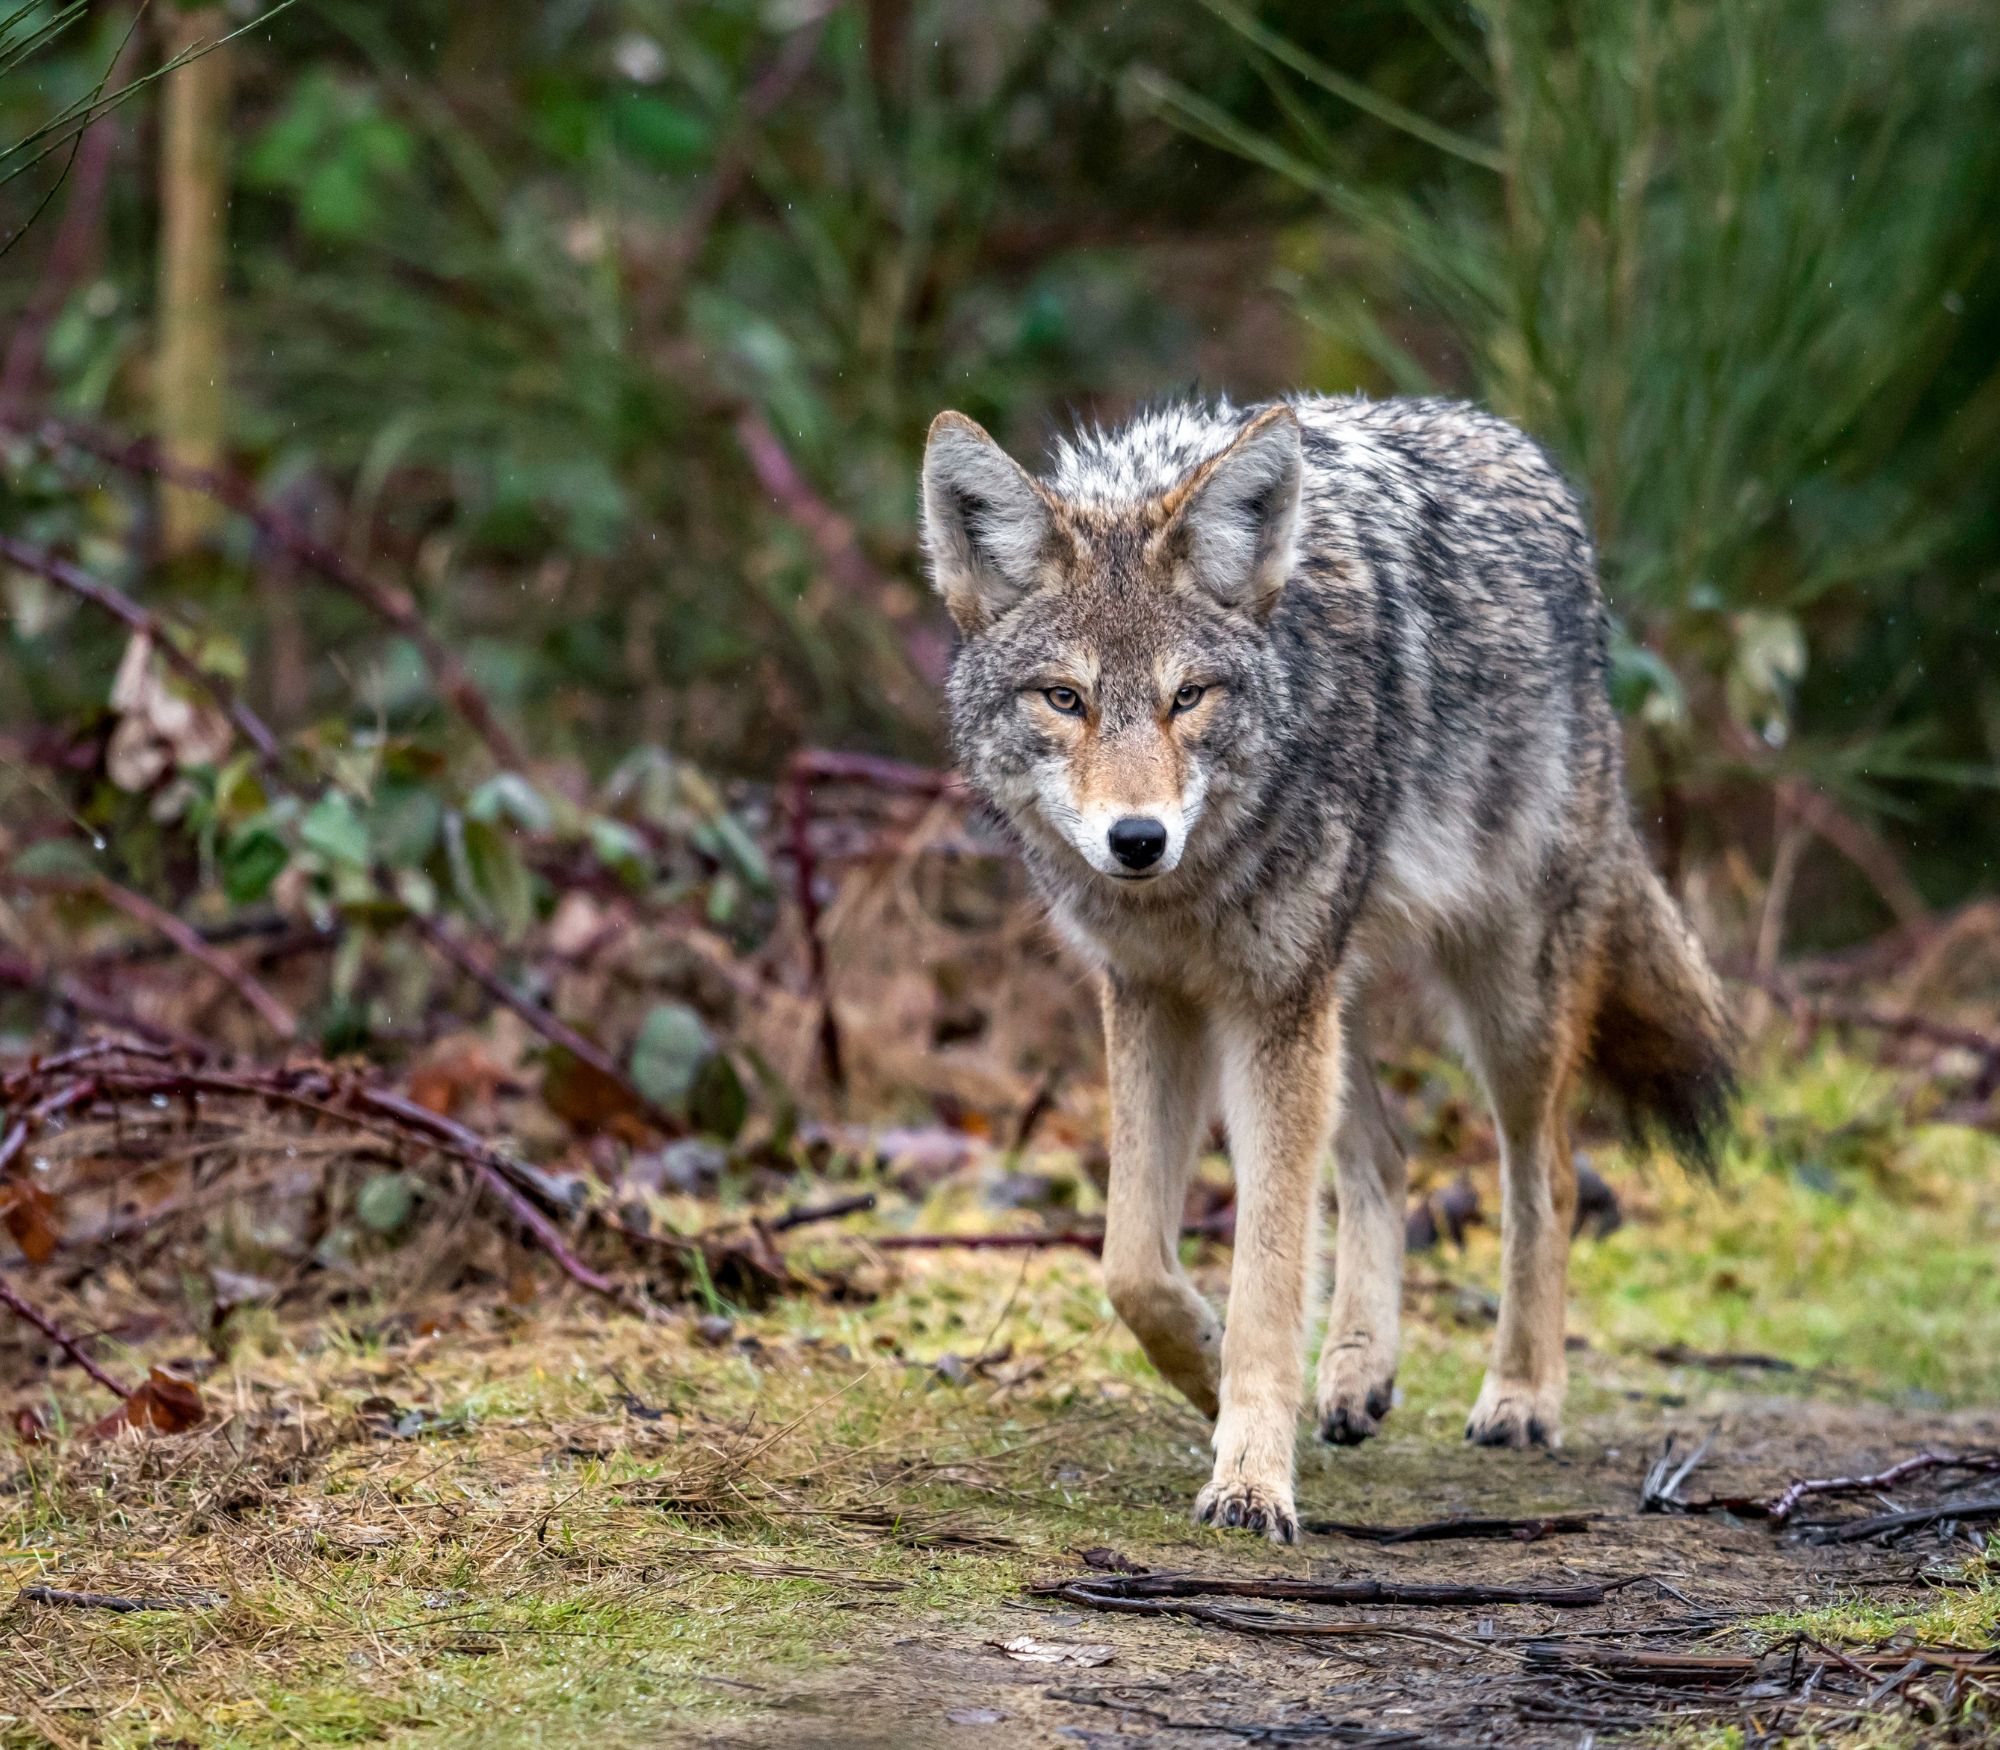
[[714, 1330]]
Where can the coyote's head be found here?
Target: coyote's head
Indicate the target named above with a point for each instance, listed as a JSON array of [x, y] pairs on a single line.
[[1117, 688]]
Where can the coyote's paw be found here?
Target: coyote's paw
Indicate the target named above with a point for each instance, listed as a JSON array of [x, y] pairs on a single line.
[[1252, 1506], [1516, 1413], [1351, 1412]]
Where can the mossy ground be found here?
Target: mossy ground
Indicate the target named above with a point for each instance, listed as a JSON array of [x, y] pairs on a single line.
[[546, 1524]]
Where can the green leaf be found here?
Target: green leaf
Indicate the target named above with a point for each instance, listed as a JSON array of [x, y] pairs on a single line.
[[619, 849], [334, 828], [659, 132], [502, 888], [669, 1054], [63, 859], [726, 839], [386, 1202], [253, 858], [717, 1104], [404, 823], [509, 797]]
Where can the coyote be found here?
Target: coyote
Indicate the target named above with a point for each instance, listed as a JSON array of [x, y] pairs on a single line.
[[1278, 702]]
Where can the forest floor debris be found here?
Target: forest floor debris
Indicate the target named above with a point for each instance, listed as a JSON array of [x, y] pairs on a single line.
[[434, 1489]]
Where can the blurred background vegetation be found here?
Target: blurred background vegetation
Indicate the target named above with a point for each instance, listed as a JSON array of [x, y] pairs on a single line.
[[598, 338]]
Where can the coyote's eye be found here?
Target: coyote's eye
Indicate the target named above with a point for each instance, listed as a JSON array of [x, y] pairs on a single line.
[[1067, 700], [1187, 698]]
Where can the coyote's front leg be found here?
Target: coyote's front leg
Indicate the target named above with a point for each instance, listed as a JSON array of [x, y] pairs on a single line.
[[1279, 1080], [1162, 1080]]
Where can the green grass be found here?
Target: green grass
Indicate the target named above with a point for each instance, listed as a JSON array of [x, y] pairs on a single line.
[[541, 1566]]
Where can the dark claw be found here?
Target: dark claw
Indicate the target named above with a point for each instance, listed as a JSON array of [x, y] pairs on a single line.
[[1381, 1398], [1232, 1515], [1348, 1427]]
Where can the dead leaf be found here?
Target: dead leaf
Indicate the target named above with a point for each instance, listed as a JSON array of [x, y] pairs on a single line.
[[31, 1427], [29, 1213], [164, 1403], [1029, 1651], [160, 729]]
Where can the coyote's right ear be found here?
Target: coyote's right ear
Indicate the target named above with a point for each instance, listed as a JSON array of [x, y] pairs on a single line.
[[985, 522]]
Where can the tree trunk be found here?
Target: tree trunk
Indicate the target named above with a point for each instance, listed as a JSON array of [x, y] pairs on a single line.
[[191, 361]]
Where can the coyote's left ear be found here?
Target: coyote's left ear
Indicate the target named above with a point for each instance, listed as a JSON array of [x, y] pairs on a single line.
[[1236, 518], [985, 522]]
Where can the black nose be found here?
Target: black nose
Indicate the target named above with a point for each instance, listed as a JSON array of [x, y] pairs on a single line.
[[1137, 842]]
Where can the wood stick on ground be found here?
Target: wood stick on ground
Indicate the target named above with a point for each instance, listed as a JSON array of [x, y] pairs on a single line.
[[1284, 1589], [96, 1600], [1268, 1623], [131, 615], [1977, 1510], [1530, 1530], [1089, 1239], [1661, 1491], [24, 1309]]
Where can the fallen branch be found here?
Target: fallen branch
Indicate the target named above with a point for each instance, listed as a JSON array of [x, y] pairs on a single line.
[[382, 1113], [805, 1214], [1247, 1622], [1886, 1525], [134, 618], [1660, 1493], [1720, 1361], [1087, 1239], [98, 1600], [1446, 1530], [25, 1310], [1283, 1589]]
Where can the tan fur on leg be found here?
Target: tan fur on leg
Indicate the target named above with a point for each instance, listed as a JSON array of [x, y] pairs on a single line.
[[1162, 1080], [1526, 1056], [1357, 1360], [1279, 1086]]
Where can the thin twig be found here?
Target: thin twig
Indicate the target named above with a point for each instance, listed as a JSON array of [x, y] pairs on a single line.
[[546, 1022], [1285, 1589], [24, 1309], [394, 607], [183, 936], [129, 613], [1530, 1530], [95, 1600], [805, 878], [1901, 1024]]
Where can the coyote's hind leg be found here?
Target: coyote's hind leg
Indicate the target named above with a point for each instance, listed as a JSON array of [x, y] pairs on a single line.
[[1357, 1361], [1525, 1043]]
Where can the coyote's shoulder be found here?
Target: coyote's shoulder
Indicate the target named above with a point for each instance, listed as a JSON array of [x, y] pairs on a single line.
[[1280, 701]]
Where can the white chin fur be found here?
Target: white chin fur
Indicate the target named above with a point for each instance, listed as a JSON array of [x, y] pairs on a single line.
[[1088, 830]]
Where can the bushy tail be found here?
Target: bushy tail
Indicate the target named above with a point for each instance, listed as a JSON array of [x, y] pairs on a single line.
[[1663, 1042]]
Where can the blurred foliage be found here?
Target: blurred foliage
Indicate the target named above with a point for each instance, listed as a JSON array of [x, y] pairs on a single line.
[[510, 284]]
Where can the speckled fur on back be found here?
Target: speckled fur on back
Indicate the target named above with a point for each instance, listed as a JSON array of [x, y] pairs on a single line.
[[1349, 658]]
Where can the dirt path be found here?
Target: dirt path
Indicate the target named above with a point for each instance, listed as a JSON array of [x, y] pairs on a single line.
[[1437, 1677]]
